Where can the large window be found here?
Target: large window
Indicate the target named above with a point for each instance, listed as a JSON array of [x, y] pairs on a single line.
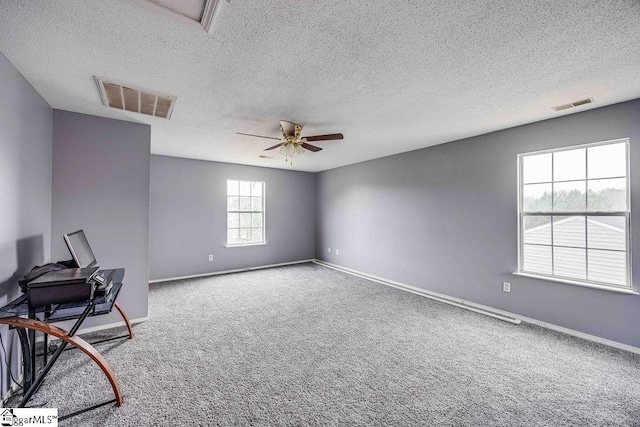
[[574, 214], [245, 212]]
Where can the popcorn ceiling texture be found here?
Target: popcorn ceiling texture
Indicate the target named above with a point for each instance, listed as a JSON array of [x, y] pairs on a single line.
[[392, 76]]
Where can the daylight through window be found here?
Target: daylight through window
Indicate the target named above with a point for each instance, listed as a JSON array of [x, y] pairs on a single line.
[[245, 212], [574, 214]]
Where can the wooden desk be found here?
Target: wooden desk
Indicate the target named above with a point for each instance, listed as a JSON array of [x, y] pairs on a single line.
[[39, 320]]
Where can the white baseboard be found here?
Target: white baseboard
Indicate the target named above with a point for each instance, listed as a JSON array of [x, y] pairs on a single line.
[[479, 308], [238, 270], [487, 311], [99, 328], [582, 335], [111, 325]]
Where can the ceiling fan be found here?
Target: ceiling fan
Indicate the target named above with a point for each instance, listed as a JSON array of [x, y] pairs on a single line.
[[291, 144]]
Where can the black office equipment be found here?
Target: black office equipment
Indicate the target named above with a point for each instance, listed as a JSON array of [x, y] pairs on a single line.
[[72, 284], [103, 282], [38, 271], [61, 286], [80, 250], [83, 256]]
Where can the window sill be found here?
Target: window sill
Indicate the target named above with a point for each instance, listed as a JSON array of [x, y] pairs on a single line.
[[627, 291], [242, 245]]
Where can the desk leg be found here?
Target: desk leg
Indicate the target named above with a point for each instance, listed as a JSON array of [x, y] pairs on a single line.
[[26, 358], [32, 343], [45, 350], [126, 319], [48, 365], [88, 349]]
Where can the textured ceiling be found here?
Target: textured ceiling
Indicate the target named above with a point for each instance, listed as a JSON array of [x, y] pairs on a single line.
[[392, 76]]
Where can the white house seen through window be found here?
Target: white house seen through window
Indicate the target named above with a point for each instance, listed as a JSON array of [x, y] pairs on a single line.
[[245, 212], [574, 214]]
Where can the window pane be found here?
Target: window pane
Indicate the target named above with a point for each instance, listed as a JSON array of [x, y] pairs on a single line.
[[256, 235], [537, 259], [233, 220], [256, 189], [245, 188], [245, 204], [256, 220], [245, 220], [570, 262], [256, 204], [569, 231], [537, 229], [536, 168], [536, 197], [244, 235], [589, 179], [569, 196], [232, 188], [570, 164], [232, 203], [607, 266], [607, 232], [245, 217], [607, 161], [607, 195], [232, 236]]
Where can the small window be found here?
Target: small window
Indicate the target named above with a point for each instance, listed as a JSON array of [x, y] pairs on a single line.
[[245, 213], [574, 214]]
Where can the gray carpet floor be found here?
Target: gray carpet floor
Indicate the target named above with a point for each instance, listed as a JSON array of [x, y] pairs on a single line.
[[308, 345]]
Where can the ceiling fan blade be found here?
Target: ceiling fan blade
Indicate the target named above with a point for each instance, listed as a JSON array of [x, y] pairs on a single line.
[[328, 137], [271, 148], [288, 128], [310, 147], [258, 136]]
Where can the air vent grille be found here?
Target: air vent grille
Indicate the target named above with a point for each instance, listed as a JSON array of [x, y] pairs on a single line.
[[573, 104], [130, 98], [584, 101]]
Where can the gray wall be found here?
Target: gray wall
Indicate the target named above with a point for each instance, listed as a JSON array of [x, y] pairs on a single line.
[[188, 217], [25, 189], [101, 185], [444, 219]]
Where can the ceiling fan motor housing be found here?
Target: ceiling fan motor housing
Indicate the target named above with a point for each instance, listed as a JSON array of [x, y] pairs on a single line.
[[292, 144]]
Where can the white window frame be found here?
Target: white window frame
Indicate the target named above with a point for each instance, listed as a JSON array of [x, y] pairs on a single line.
[[628, 287], [263, 240]]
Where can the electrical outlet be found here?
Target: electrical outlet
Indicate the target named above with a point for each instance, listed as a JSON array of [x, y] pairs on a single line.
[[506, 286], [337, 252], [210, 257], [329, 250]]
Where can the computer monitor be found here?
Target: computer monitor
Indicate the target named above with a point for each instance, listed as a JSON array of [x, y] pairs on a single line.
[[80, 250]]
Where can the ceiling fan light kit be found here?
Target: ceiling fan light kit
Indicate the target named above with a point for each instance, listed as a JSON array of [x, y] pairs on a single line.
[[291, 144], [290, 150]]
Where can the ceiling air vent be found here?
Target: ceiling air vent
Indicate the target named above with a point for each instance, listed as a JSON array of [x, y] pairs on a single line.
[[573, 104], [130, 98]]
